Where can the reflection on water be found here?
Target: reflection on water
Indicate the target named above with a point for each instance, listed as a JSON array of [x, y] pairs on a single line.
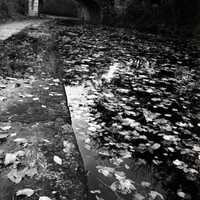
[[110, 74], [104, 167]]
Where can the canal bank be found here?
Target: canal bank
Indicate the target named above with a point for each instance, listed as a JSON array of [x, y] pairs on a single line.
[[38, 152]]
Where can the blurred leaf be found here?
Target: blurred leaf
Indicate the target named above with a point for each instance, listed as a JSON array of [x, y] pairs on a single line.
[[58, 160], [26, 192], [124, 186]]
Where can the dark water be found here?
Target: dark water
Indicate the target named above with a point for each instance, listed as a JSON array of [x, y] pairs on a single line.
[[80, 99], [134, 100]]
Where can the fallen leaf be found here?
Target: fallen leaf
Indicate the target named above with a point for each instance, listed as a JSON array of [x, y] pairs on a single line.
[[2, 98], [145, 184], [44, 198], [99, 198], [10, 158], [21, 140], [178, 162], [36, 99], [13, 134], [67, 147], [25, 192], [196, 148], [138, 196], [155, 146], [124, 186], [3, 137], [16, 176], [181, 194], [95, 192], [106, 171], [58, 160], [5, 128], [154, 195], [31, 172]]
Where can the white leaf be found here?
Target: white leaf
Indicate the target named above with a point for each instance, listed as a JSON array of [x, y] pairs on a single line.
[[181, 194], [124, 186], [119, 175], [127, 167], [98, 198], [196, 148], [13, 134], [95, 192], [21, 140], [67, 147], [5, 128], [44, 198], [36, 99], [130, 122], [10, 158], [87, 141], [106, 171], [3, 137], [156, 146], [171, 138], [154, 195], [26, 192], [56, 80], [145, 184], [178, 162], [58, 160]]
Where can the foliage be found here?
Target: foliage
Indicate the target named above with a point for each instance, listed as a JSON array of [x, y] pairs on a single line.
[[157, 15], [12, 9]]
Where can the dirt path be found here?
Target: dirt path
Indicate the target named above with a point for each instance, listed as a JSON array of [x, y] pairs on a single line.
[[11, 28]]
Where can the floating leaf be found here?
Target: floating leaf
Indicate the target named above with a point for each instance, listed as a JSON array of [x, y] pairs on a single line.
[[21, 140], [68, 147], [170, 138], [124, 186], [44, 198], [99, 198], [3, 137], [181, 194], [25, 192], [145, 184], [10, 158], [153, 195], [95, 192], [5, 128], [58, 160], [196, 148], [178, 162], [155, 146], [106, 171], [149, 116], [36, 99], [138, 196], [16, 176]]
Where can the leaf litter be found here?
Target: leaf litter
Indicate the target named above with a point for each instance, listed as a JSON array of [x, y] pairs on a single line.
[[147, 111]]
